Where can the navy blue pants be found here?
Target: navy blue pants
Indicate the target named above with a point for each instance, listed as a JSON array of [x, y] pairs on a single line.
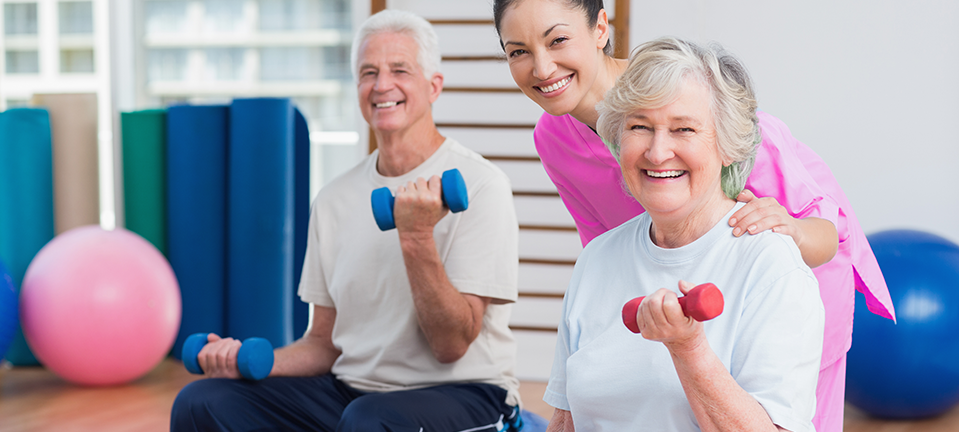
[[324, 403]]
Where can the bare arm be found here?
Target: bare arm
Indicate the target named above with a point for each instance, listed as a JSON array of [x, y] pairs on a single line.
[[450, 320], [311, 355], [562, 421], [817, 238], [314, 353], [717, 400]]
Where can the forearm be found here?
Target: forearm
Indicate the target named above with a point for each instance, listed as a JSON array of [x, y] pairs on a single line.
[[717, 400], [820, 241], [562, 421], [306, 357], [449, 321], [314, 353]]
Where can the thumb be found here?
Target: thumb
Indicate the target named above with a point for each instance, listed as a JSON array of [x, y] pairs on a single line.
[[685, 287], [746, 196], [212, 337]]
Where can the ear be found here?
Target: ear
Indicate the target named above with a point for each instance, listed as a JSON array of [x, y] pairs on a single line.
[[602, 29], [436, 86]]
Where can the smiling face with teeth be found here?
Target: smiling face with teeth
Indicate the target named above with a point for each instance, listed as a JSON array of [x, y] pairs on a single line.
[[670, 158], [394, 94], [554, 55]]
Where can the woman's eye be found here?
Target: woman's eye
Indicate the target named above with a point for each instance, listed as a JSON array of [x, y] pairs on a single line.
[[560, 40], [686, 129], [639, 127], [515, 53]]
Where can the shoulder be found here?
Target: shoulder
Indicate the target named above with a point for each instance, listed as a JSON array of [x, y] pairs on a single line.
[[477, 171], [348, 182], [770, 257]]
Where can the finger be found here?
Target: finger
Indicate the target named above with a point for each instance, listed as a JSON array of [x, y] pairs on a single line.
[[658, 307], [746, 196], [685, 287], [672, 311], [212, 337]]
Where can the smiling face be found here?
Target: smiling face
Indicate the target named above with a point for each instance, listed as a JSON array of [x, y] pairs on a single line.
[[553, 54], [669, 155], [394, 94]]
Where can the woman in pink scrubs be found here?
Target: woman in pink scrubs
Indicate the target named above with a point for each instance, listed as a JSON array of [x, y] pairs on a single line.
[[559, 55]]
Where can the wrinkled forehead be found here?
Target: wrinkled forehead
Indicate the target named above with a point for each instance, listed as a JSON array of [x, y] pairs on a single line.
[[388, 48]]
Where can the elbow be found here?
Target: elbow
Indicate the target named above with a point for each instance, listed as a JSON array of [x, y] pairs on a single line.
[[447, 355]]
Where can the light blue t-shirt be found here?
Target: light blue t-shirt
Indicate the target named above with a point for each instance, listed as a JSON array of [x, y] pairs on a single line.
[[769, 335]]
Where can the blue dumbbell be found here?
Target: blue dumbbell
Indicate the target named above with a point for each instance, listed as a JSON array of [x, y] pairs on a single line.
[[255, 359], [454, 196]]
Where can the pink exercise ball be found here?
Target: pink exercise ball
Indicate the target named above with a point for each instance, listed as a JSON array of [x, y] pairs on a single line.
[[100, 307]]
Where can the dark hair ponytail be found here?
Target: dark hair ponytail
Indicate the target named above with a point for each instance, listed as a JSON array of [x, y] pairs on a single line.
[[590, 7]]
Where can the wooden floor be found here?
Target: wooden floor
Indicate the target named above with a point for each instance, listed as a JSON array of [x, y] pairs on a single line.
[[34, 399]]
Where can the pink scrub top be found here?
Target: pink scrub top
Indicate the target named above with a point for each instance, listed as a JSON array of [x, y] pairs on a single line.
[[589, 181]]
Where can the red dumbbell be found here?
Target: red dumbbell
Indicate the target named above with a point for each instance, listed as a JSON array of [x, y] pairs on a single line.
[[702, 303]]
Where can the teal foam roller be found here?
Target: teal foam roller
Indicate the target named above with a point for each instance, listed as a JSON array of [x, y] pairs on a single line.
[[454, 196], [255, 359]]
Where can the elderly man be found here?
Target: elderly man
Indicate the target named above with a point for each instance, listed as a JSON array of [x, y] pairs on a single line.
[[409, 328]]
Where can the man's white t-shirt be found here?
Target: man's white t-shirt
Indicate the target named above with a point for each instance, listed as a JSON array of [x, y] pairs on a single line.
[[352, 266], [769, 335]]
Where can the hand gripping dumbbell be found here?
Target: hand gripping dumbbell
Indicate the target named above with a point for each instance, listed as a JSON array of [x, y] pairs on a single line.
[[255, 359], [454, 196], [702, 303]]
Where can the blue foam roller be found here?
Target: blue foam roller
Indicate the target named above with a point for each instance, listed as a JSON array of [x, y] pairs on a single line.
[[260, 220], [9, 310], [26, 200], [197, 138], [301, 216]]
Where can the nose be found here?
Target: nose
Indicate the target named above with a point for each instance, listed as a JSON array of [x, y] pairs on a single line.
[[384, 82], [660, 148], [543, 66]]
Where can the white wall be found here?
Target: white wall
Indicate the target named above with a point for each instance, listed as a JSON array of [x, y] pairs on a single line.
[[871, 86]]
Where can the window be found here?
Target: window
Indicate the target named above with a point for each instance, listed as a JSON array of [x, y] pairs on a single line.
[[164, 17], [76, 17], [166, 64], [224, 64], [76, 61], [20, 19], [22, 62]]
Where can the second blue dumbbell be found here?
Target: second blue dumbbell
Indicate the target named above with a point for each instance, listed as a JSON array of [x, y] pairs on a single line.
[[454, 196], [255, 359]]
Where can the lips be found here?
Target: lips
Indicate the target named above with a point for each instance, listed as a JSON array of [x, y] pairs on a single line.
[[667, 174], [555, 86]]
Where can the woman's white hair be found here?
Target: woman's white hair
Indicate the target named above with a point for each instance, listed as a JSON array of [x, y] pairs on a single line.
[[397, 21], [656, 73]]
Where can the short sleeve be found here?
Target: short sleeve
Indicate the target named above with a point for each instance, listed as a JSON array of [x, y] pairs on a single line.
[[781, 172], [778, 350], [313, 288], [555, 394], [483, 255]]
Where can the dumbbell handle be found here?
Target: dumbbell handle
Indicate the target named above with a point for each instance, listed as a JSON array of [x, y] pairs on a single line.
[[702, 303], [254, 360]]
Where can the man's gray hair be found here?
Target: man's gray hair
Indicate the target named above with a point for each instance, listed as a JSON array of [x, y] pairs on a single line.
[[655, 76], [397, 21]]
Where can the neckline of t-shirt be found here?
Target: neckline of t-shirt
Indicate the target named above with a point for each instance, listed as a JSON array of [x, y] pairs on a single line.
[[691, 251], [424, 169]]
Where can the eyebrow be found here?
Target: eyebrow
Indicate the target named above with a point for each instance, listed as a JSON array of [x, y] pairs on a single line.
[[680, 119], [545, 33]]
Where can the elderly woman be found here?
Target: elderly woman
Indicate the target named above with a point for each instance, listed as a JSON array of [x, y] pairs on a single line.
[[682, 122]]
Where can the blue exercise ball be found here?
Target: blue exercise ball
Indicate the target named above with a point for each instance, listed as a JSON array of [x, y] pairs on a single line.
[[9, 307], [910, 369]]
